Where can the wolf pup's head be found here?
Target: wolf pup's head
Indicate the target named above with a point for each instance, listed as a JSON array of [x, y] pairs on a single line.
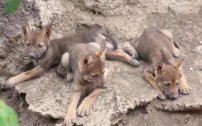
[[92, 67], [168, 78], [36, 41]]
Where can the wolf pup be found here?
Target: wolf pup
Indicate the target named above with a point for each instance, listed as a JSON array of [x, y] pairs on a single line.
[[48, 52], [87, 63], [165, 73]]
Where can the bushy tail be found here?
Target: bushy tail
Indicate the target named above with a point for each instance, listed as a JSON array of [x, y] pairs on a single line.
[[114, 42]]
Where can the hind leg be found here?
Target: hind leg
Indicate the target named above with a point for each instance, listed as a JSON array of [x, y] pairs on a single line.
[[129, 49], [176, 51], [64, 68], [176, 44], [66, 63], [70, 76], [122, 56], [61, 71]]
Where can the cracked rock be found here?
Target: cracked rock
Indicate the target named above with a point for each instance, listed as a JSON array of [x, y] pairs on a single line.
[[49, 95]]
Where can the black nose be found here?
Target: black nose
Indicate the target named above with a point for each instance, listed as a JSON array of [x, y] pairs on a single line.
[[172, 97], [32, 56]]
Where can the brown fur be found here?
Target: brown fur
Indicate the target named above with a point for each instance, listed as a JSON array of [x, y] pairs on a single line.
[[165, 73], [49, 52], [87, 65]]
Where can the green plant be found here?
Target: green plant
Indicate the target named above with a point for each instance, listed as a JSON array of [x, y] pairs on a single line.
[[12, 5], [8, 117]]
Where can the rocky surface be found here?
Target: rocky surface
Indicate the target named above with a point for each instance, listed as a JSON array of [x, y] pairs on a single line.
[[49, 95], [125, 19]]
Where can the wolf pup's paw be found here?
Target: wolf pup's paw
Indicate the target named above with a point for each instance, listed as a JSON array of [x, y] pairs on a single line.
[[135, 62], [84, 108], [161, 96], [185, 89], [177, 53], [70, 118], [12, 81], [70, 77]]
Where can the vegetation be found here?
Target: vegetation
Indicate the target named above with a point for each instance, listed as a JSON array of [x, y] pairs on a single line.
[[12, 5], [8, 117]]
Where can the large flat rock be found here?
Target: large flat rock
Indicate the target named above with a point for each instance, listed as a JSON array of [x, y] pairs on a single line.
[[49, 95]]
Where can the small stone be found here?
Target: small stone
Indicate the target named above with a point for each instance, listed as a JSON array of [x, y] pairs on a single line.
[[149, 110], [191, 69], [58, 124]]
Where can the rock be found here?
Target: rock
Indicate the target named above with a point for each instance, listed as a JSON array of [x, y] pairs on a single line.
[[125, 19], [198, 49], [49, 95]]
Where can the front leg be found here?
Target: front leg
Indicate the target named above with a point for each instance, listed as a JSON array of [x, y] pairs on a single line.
[[35, 72], [84, 108], [151, 80], [75, 97], [184, 87]]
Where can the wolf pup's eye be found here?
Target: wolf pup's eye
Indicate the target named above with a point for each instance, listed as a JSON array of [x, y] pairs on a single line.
[[166, 84], [28, 44], [94, 75], [39, 45]]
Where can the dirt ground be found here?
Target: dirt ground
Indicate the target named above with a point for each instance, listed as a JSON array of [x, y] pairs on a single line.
[[26, 118], [133, 104], [162, 118]]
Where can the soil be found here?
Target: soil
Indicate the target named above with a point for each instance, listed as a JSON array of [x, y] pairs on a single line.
[[26, 118], [153, 117]]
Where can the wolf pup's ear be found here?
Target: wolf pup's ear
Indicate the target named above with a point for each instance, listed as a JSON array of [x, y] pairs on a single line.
[[26, 31], [84, 62], [178, 63], [102, 54], [159, 68], [47, 31]]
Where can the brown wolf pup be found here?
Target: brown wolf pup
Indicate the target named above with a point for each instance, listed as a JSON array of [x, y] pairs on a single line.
[[48, 52], [165, 73], [86, 63]]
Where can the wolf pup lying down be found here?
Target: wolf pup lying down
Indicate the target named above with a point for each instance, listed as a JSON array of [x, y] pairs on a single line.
[[48, 52], [86, 62], [165, 73]]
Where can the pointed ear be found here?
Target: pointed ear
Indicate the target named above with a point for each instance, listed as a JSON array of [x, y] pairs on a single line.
[[159, 68], [26, 31], [46, 31], [84, 62], [101, 54], [178, 63]]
